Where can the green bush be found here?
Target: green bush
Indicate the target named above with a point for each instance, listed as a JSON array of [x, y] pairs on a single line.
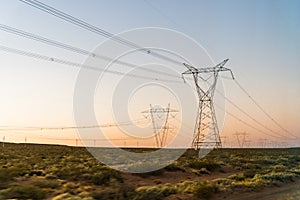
[[47, 184], [68, 196], [71, 172], [198, 164], [154, 192], [278, 177], [105, 176], [121, 193], [296, 172], [237, 177], [200, 171], [204, 190], [185, 187], [7, 174], [23, 192], [101, 178], [127, 191], [71, 188]]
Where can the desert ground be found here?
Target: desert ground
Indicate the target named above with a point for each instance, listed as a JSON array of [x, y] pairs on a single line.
[[35, 171]]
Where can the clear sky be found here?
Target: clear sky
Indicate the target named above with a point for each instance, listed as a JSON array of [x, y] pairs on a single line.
[[261, 39]]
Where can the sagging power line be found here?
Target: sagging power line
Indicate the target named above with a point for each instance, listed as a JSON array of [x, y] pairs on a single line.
[[61, 45], [263, 110], [170, 19], [104, 33], [108, 125], [71, 19], [249, 116], [52, 59], [65, 62]]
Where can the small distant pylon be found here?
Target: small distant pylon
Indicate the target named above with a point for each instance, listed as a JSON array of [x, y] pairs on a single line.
[[263, 142], [160, 132], [206, 132], [242, 139]]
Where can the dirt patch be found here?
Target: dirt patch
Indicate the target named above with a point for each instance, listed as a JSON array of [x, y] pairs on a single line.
[[175, 177]]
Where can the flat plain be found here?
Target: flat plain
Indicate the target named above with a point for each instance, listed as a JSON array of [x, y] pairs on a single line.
[[34, 171]]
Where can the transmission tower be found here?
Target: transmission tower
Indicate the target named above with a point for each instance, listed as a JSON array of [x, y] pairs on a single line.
[[263, 142], [242, 139], [160, 131], [206, 132]]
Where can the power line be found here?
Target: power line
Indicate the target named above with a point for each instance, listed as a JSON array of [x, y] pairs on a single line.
[[74, 49], [51, 59], [251, 126], [64, 62], [43, 7], [129, 123], [248, 115], [108, 139], [263, 110], [242, 121], [69, 18], [170, 19], [176, 24], [82, 24]]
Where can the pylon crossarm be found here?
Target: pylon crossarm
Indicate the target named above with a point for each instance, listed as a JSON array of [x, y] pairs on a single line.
[[160, 110], [191, 69], [222, 63]]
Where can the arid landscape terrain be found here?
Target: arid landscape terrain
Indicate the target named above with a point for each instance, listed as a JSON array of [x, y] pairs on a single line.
[[149, 100], [62, 172]]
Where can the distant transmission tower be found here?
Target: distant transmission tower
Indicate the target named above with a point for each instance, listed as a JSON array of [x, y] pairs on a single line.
[[160, 131], [242, 139], [206, 129]]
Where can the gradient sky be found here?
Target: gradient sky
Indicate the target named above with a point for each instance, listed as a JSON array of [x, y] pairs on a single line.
[[261, 39]]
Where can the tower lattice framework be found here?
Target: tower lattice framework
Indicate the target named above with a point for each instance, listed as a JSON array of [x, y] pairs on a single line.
[[206, 133], [160, 132]]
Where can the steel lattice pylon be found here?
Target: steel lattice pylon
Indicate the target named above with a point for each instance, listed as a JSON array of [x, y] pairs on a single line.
[[206, 134], [160, 132]]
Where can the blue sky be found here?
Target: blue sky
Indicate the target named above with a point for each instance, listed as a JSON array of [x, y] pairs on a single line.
[[261, 39]]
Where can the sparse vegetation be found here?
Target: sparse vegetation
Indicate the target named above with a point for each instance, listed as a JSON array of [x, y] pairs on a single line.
[[61, 172], [23, 192], [52, 184], [205, 190]]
